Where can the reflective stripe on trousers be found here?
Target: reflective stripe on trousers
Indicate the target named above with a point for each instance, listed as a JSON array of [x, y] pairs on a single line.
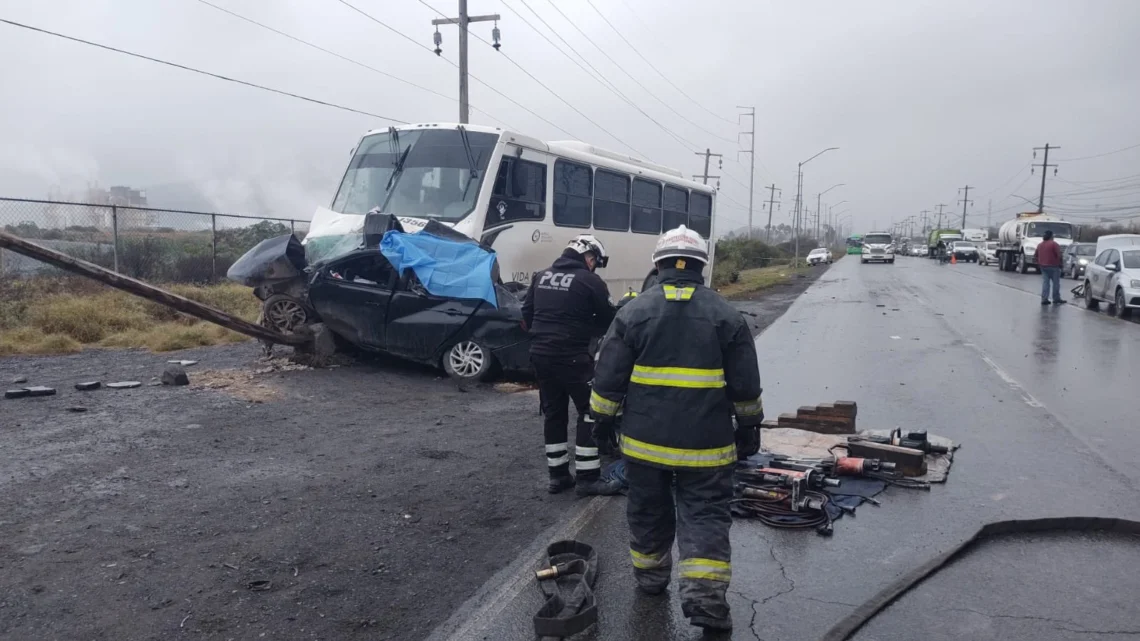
[[691, 377], [709, 569], [649, 561], [678, 457]]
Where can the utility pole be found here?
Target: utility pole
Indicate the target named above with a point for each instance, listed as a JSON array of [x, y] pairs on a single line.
[[720, 163], [771, 201], [965, 200], [752, 155], [989, 214], [925, 218], [1044, 170], [940, 207], [463, 20]]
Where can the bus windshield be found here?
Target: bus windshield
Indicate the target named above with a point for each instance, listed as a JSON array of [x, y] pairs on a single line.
[[1060, 230], [855, 241], [422, 173]]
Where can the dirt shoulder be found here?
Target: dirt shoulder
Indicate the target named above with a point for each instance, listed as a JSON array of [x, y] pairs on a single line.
[[361, 502], [764, 305]]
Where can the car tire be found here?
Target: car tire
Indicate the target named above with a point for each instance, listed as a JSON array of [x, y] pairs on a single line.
[[284, 313], [891, 262], [468, 360], [1122, 310], [1090, 302], [863, 260]]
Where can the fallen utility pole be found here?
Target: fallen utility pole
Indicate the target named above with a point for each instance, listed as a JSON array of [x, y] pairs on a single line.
[[149, 292]]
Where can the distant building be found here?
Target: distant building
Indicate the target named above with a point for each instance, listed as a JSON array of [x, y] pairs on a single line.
[[120, 196]]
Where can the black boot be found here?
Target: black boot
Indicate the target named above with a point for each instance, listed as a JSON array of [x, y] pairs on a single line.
[[712, 625], [596, 486], [560, 479]]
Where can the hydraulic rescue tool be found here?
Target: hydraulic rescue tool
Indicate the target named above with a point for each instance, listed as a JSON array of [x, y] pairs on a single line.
[[912, 440]]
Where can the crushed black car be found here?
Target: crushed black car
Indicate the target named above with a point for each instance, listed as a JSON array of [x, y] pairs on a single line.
[[370, 304]]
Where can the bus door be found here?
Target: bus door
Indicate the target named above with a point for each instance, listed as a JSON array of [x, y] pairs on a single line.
[[517, 224]]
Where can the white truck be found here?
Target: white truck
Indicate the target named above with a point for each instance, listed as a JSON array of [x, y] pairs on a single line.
[[975, 236], [1018, 240]]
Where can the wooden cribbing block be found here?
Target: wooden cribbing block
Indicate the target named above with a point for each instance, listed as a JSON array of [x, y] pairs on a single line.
[[910, 462]]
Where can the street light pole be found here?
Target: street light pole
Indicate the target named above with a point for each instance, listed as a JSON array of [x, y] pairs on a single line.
[[818, 209], [831, 219], [800, 198]]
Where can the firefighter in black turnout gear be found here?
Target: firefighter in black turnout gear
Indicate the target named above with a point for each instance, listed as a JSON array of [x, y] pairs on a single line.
[[682, 360], [566, 307]]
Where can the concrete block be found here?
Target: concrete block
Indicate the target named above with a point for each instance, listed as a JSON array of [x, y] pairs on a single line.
[[87, 386], [16, 393], [124, 385], [40, 390]]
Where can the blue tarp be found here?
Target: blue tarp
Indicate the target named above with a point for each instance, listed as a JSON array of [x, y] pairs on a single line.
[[445, 267]]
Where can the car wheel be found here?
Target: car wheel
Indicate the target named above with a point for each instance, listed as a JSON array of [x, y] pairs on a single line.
[[1022, 265], [1090, 302], [891, 262], [863, 260], [284, 313], [1122, 310], [468, 361]]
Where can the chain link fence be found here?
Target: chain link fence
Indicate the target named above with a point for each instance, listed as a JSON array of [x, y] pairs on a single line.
[[157, 245]]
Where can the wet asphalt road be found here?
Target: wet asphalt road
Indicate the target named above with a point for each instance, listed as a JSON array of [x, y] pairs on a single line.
[[1041, 399]]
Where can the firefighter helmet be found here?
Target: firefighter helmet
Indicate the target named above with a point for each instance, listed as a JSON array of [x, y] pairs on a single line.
[[681, 242]]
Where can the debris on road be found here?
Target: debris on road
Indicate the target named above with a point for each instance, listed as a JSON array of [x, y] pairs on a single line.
[[87, 386], [77, 409], [175, 375], [124, 385], [40, 390], [183, 363], [19, 379], [238, 383], [16, 393]]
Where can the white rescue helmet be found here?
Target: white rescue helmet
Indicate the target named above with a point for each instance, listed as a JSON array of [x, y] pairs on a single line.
[[584, 243], [681, 242]]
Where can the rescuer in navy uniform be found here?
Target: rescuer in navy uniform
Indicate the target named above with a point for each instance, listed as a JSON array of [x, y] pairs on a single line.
[[566, 306]]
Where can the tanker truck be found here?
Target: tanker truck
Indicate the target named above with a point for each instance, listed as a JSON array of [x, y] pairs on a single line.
[[1018, 240], [946, 236]]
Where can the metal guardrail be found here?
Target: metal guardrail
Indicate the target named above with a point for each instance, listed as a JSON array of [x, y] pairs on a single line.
[[165, 245]]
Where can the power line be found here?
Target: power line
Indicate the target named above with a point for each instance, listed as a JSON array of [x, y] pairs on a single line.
[[596, 75], [631, 77], [630, 45], [544, 86], [204, 73], [454, 64], [682, 91], [344, 58], [1107, 153], [1007, 181]]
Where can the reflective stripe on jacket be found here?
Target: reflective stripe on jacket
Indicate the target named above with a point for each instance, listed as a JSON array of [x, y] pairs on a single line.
[[682, 359]]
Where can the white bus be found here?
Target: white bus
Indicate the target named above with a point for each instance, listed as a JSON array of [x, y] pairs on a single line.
[[523, 197]]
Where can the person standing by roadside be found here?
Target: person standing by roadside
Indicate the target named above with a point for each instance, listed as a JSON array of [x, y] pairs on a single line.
[[566, 306], [1049, 260]]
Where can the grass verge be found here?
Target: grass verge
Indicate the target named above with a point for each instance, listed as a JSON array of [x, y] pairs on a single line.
[[752, 281], [64, 315]]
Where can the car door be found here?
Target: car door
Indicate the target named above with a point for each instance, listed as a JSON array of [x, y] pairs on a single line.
[[352, 296], [420, 326], [1096, 272], [1111, 274]]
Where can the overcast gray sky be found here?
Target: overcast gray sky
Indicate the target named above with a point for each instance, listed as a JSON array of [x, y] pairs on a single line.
[[922, 96]]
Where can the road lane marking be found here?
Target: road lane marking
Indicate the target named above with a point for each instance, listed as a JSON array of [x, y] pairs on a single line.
[[500, 590]]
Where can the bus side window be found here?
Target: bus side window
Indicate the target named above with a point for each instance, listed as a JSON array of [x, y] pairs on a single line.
[[573, 191], [646, 216], [700, 215], [519, 192], [611, 201], [676, 208]]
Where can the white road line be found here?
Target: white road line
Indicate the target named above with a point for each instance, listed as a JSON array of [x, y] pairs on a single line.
[[498, 592]]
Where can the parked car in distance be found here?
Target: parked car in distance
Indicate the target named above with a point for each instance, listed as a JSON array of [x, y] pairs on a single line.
[[819, 256], [987, 253], [1076, 258], [919, 250], [963, 250], [1114, 276]]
